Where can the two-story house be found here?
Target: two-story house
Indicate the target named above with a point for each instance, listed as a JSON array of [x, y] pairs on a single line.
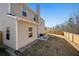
[[19, 24]]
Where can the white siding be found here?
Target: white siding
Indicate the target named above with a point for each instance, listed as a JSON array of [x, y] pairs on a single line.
[[7, 21], [4, 8]]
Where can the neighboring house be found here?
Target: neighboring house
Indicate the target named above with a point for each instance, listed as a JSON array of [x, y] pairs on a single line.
[[19, 24]]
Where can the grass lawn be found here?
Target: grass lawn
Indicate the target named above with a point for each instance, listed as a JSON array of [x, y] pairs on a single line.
[[3, 52], [52, 47]]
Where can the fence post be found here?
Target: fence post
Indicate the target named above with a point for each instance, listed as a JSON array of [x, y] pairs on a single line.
[[72, 37]]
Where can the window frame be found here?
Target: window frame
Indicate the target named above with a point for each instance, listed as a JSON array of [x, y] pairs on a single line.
[[30, 29], [30, 32], [7, 33], [24, 13], [34, 18]]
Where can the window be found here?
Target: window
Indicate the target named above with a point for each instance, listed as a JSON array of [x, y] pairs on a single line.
[[23, 13], [30, 29], [7, 33], [34, 19], [30, 32]]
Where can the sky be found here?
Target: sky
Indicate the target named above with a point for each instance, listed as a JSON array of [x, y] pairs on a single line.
[[55, 13]]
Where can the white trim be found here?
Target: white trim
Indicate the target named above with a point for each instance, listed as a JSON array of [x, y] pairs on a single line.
[[12, 16], [27, 20], [16, 35]]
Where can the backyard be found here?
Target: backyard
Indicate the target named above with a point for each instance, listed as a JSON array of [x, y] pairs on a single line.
[[54, 46]]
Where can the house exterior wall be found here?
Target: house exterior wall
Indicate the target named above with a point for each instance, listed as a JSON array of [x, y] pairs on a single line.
[[7, 21], [18, 30], [4, 8], [17, 9], [41, 26], [23, 33], [10, 22]]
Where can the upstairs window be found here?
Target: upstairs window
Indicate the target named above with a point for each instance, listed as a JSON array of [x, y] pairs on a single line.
[[34, 19], [24, 13], [7, 33]]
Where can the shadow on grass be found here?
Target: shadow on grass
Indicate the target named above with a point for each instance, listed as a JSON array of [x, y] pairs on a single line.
[[3, 52], [54, 46]]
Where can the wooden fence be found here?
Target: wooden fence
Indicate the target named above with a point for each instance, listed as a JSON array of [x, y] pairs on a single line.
[[0, 37], [72, 37], [55, 32]]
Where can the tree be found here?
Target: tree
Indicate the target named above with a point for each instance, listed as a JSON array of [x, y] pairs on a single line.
[[77, 24], [70, 25]]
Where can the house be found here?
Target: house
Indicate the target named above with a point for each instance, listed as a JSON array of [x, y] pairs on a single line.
[[19, 24]]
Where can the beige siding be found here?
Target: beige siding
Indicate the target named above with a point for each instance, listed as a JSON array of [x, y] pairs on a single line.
[[17, 10], [41, 26], [23, 33], [30, 15]]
